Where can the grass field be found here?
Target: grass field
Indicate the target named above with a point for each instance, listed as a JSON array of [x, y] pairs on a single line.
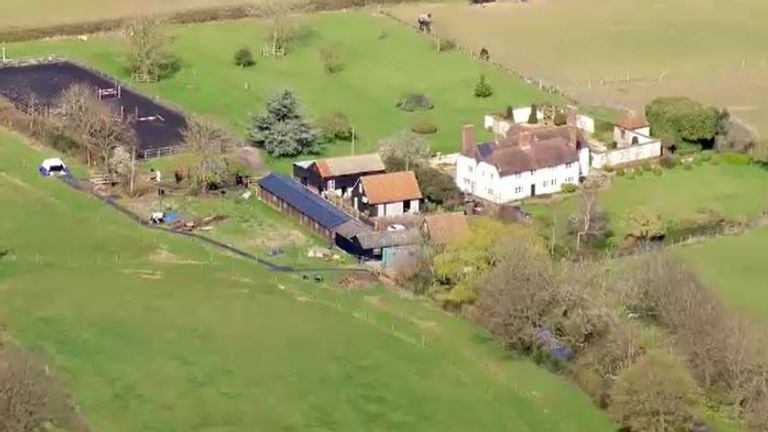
[[735, 267], [190, 339], [706, 49], [383, 60], [36, 13], [730, 190]]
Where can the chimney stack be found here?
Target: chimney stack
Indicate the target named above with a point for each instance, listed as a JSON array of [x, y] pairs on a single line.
[[525, 140], [573, 136], [467, 139], [570, 115]]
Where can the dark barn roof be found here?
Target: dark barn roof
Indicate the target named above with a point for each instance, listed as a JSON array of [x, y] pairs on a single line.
[[302, 199]]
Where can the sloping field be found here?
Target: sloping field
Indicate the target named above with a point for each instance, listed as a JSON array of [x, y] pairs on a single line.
[[157, 333], [36, 13], [735, 266], [382, 61], [712, 50]]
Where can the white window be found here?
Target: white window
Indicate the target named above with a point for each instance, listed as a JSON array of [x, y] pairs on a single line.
[[331, 184], [532, 172], [519, 189], [545, 184], [553, 182], [490, 191]]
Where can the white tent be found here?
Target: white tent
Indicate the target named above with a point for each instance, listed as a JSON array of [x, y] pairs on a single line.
[[53, 166]]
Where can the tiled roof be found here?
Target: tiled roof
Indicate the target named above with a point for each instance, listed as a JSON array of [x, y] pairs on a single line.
[[391, 187], [380, 239], [444, 227], [303, 200], [632, 120], [340, 166]]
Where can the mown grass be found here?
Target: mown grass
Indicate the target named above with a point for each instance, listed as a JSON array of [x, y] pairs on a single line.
[[382, 60], [196, 340], [735, 192]]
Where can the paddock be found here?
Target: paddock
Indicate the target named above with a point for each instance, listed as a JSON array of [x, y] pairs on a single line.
[[158, 128]]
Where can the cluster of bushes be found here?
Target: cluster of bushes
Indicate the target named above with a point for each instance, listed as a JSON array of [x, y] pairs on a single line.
[[414, 102], [683, 119], [652, 356]]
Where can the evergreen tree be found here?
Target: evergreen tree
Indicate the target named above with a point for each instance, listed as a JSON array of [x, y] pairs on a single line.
[[282, 131], [533, 118], [483, 89]]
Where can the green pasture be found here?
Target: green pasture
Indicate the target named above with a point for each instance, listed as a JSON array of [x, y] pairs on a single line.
[[382, 61], [153, 332]]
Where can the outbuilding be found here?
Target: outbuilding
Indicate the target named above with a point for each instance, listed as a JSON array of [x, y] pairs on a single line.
[[53, 166]]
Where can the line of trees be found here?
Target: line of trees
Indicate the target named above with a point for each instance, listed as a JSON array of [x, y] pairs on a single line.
[[644, 337]]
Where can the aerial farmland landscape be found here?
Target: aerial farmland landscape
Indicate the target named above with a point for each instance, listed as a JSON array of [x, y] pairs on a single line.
[[342, 215]]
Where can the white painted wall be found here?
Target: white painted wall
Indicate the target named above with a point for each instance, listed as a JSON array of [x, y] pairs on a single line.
[[500, 126], [396, 208], [585, 123], [483, 180], [624, 137], [622, 156]]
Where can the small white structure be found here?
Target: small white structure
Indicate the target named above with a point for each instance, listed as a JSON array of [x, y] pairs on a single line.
[[53, 166], [634, 143], [524, 162]]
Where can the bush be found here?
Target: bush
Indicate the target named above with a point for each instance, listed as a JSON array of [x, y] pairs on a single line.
[[735, 159], [424, 127], [682, 118], [569, 188], [706, 155], [332, 58], [668, 161], [334, 126], [483, 89], [415, 102], [638, 172], [620, 172], [244, 57], [630, 175], [657, 171], [647, 167], [697, 161], [609, 169], [687, 166], [533, 118], [510, 113]]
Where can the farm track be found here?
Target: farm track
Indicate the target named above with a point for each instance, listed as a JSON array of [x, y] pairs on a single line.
[[80, 186]]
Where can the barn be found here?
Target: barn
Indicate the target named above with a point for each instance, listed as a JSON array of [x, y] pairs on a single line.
[[291, 197]]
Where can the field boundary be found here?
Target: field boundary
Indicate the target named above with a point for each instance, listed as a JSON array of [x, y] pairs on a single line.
[[80, 186], [190, 16], [539, 83]]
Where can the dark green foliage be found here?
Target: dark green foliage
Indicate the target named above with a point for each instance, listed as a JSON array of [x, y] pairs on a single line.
[[533, 118], [438, 188], [647, 166], [687, 166], [415, 102], [620, 172], [482, 88], [244, 57], [657, 171], [281, 131], [334, 126], [424, 127], [510, 113], [683, 119], [668, 161], [560, 118], [569, 188], [332, 58]]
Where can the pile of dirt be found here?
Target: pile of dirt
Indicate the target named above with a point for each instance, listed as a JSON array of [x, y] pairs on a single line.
[[359, 279], [203, 223]]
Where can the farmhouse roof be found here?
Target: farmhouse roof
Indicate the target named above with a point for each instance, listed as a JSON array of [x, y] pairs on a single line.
[[340, 166], [391, 187], [632, 120], [381, 239], [522, 150], [444, 227], [303, 200]]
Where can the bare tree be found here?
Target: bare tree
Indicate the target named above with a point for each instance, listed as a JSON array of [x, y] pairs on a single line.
[[149, 57], [591, 222], [211, 144], [410, 147], [656, 394]]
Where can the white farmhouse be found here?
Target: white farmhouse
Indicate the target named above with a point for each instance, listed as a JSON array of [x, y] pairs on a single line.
[[526, 161]]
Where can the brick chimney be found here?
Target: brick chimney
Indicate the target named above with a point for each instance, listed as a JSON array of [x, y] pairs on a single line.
[[525, 139], [467, 139], [573, 136], [570, 115]]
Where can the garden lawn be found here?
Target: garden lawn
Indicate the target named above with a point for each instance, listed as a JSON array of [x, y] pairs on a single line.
[[735, 267], [153, 332], [734, 191], [382, 60]]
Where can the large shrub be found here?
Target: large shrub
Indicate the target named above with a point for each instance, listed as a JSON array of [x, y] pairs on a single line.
[[243, 57], [424, 127], [482, 88], [332, 58], [682, 118], [334, 126], [414, 102], [533, 118]]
